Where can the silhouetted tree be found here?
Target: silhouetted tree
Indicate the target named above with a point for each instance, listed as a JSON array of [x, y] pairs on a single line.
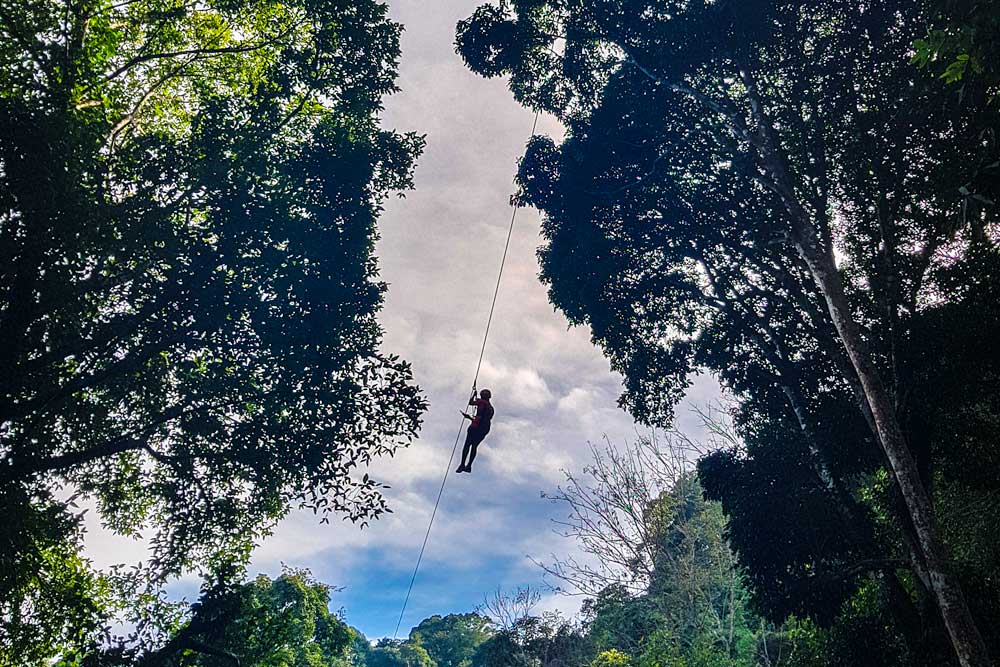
[[962, 47], [719, 158], [547, 640], [188, 290]]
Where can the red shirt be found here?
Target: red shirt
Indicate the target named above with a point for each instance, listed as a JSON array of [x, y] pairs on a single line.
[[484, 413]]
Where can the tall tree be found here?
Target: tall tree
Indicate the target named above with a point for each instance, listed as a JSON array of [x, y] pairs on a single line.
[[765, 485], [188, 291], [547, 640], [452, 640], [398, 653], [263, 622], [719, 158]]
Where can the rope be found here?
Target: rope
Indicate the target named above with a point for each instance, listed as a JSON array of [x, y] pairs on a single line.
[[458, 436]]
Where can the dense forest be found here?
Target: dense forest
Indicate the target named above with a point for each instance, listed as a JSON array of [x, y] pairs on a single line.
[[797, 198]]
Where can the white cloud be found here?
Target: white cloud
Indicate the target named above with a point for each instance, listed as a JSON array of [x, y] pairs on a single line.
[[578, 400], [522, 387], [524, 452]]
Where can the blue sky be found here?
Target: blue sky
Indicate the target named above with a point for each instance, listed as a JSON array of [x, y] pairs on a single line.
[[554, 393]]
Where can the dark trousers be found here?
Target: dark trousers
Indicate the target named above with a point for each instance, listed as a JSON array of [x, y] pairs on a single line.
[[473, 437]]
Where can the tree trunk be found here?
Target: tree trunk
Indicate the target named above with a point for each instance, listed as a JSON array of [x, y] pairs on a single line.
[[965, 637], [968, 643]]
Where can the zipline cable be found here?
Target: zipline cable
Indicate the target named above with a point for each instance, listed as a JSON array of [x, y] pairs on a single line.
[[479, 364]]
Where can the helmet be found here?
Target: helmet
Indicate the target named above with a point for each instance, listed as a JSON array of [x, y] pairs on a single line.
[[486, 393]]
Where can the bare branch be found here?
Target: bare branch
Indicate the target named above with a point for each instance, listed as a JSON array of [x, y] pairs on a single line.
[[611, 512], [507, 609]]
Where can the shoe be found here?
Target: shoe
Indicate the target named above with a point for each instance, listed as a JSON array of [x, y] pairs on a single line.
[[460, 469]]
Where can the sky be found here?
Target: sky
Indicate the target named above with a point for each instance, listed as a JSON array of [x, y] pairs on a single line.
[[553, 392]]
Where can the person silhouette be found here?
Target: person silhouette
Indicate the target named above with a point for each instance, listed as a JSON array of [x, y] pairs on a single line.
[[478, 429]]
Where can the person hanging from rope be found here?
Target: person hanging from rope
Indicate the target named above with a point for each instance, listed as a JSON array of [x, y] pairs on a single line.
[[478, 429]]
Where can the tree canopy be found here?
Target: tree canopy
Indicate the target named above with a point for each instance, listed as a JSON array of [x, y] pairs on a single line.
[[260, 623], [452, 640], [774, 193], [188, 292]]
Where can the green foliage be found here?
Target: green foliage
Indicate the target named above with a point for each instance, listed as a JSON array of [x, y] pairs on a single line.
[[934, 46], [661, 649], [188, 206], [694, 611], [612, 658], [53, 595], [451, 640], [962, 46], [964, 43], [285, 622], [357, 652], [672, 590], [535, 641], [620, 621], [397, 653], [696, 134]]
